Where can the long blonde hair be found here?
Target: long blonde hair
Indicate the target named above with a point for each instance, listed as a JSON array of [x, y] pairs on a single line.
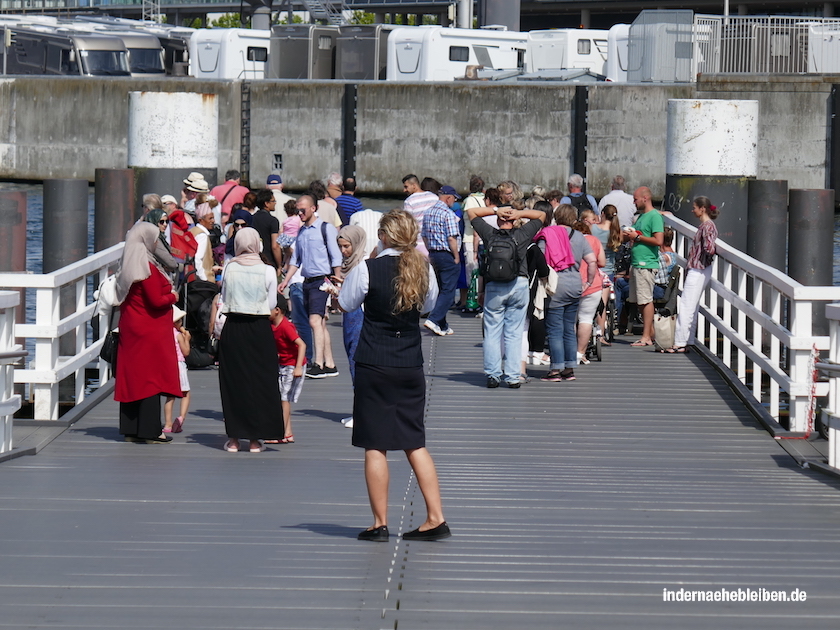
[[412, 282]]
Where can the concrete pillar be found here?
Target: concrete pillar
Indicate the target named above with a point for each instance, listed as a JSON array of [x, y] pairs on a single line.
[[261, 19], [13, 240], [65, 238], [170, 135], [506, 12], [585, 18], [465, 14], [712, 151], [768, 222], [113, 207], [811, 244]]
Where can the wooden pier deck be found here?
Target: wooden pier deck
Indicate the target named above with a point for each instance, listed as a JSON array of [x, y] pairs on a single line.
[[572, 505]]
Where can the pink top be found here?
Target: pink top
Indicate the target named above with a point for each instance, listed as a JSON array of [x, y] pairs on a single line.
[[597, 284], [178, 352], [291, 226]]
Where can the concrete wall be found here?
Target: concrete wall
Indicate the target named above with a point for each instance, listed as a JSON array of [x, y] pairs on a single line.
[[793, 119], [450, 131], [302, 121], [70, 126], [627, 135], [67, 127]]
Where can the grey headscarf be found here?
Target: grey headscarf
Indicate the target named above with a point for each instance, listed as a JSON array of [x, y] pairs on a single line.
[[140, 244]]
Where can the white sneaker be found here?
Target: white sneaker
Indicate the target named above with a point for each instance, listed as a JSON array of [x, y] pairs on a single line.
[[448, 331], [433, 327]]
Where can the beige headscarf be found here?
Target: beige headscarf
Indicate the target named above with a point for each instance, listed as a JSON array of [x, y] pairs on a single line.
[[247, 247], [357, 238], [140, 244]]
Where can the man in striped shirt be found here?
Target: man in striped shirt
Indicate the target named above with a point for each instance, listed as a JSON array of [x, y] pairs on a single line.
[[442, 236]]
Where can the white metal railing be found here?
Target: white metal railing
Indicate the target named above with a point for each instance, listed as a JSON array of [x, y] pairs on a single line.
[[831, 414], [10, 353], [49, 368], [759, 323], [765, 44]]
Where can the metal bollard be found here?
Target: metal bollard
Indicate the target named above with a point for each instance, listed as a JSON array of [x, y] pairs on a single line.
[[767, 222], [114, 210]]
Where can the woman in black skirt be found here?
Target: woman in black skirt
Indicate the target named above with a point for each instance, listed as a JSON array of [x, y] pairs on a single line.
[[390, 388], [247, 354]]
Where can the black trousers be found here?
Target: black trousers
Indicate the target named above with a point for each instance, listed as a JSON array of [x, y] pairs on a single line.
[[141, 418]]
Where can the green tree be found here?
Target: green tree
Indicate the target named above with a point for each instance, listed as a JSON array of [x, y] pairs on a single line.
[[362, 17], [296, 19], [229, 20]]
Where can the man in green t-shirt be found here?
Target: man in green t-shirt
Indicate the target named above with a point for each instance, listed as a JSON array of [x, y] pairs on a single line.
[[647, 235]]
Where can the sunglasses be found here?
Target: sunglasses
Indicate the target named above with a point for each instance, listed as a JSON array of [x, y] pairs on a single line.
[[163, 222], [239, 225]]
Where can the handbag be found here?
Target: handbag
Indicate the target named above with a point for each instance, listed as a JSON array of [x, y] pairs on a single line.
[[108, 353]]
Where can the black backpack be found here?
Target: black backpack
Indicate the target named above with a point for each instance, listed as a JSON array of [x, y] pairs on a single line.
[[581, 203], [501, 257]]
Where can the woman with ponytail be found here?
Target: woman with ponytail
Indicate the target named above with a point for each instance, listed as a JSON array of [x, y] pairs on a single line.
[[390, 388], [699, 270]]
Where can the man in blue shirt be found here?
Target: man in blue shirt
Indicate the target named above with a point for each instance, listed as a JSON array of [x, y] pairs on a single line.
[[348, 205], [442, 236], [317, 256], [577, 198]]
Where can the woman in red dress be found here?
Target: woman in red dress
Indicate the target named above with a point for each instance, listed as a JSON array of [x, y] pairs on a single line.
[[148, 366]]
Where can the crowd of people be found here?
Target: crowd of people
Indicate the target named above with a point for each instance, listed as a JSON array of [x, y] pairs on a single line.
[[538, 268]]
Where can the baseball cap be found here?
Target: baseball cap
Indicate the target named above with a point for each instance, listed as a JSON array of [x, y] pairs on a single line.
[[168, 199], [448, 190], [273, 179]]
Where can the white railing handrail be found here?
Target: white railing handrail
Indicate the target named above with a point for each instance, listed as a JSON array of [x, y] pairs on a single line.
[[10, 352], [60, 277], [778, 349], [44, 372], [831, 414]]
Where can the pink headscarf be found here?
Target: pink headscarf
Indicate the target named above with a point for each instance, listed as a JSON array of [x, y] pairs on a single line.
[[247, 246], [202, 210]]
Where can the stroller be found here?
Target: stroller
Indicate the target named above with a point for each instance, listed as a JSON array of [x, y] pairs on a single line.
[[196, 299]]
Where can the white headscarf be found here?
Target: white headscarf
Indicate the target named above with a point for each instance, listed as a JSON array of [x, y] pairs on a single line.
[[140, 244]]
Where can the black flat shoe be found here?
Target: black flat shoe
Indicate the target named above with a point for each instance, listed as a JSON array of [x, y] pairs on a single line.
[[436, 533], [166, 439], [379, 534]]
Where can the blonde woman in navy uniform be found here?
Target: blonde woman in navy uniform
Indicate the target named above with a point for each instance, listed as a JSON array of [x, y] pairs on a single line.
[[390, 388]]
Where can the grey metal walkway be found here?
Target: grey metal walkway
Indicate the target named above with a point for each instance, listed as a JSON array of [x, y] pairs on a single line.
[[573, 505]]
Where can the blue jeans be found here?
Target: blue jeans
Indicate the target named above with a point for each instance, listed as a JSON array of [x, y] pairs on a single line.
[[299, 317], [351, 324], [562, 336], [505, 304], [622, 292], [446, 271]]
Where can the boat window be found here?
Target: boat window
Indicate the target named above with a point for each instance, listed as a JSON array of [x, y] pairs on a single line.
[[257, 53], [459, 53], [584, 46]]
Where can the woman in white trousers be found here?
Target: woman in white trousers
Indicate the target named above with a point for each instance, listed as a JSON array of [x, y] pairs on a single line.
[[699, 270]]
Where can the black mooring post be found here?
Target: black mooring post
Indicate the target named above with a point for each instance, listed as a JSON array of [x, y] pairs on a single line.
[[580, 109], [348, 124]]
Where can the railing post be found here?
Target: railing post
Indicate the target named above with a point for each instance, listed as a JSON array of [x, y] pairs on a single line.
[[831, 415], [9, 401], [800, 326], [46, 355]]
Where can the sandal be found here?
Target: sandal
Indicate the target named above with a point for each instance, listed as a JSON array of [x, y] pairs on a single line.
[[288, 439], [272, 441], [178, 425], [232, 446], [641, 344]]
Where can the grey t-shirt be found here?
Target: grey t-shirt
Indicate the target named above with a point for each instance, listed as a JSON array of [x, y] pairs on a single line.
[[569, 285], [523, 237]]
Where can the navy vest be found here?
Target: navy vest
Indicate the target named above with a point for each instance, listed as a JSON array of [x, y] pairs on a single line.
[[387, 340]]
